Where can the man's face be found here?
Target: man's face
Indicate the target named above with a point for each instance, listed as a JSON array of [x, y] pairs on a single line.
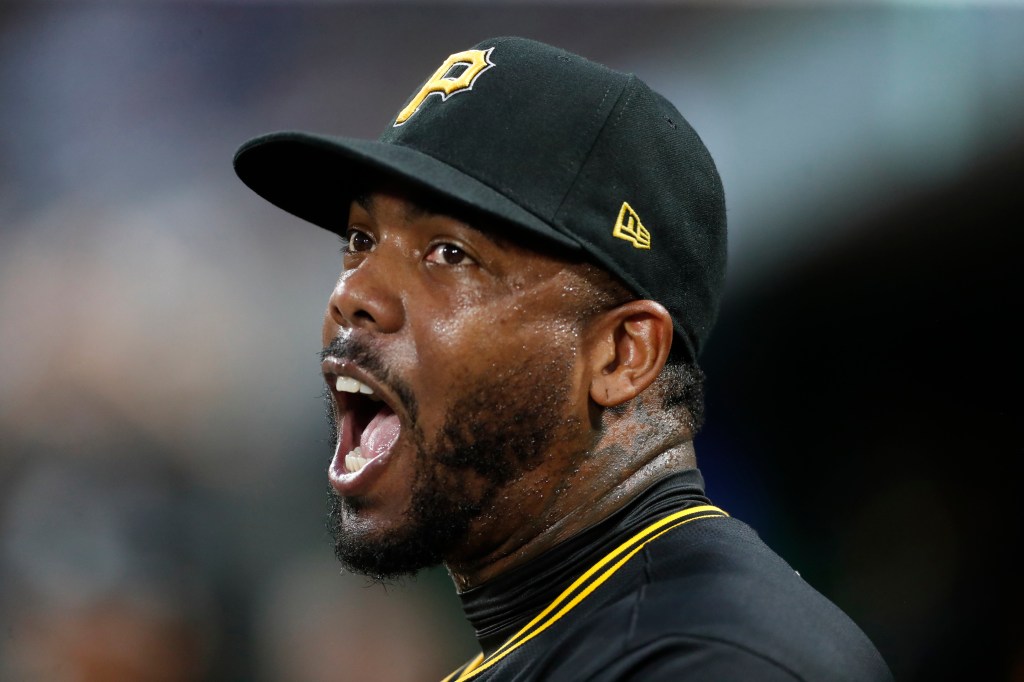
[[471, 347]]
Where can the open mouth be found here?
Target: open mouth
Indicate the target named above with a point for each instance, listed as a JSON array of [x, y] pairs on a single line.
[[368, 425]]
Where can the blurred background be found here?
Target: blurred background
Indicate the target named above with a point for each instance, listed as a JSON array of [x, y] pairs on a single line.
[[162, 444]]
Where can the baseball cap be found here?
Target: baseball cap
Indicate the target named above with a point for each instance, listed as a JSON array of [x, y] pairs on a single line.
[[552, 145]]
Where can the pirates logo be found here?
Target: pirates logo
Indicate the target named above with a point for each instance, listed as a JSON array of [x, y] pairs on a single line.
[[457, 74]]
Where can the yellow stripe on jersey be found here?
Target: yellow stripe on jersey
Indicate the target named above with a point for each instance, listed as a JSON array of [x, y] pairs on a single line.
[[466, 669], [568, 600]]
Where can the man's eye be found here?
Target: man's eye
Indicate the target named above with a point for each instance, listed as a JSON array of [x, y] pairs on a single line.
[[357, 241], [449, 254]]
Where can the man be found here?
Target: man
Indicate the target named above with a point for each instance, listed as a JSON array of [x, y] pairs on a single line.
[[533, 255]]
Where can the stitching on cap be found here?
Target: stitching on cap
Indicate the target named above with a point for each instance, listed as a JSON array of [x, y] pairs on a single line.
[[593, 143]]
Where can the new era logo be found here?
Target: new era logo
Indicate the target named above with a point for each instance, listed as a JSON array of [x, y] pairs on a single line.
[[629, 228]]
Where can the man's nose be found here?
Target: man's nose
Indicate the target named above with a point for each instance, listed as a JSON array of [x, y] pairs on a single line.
[[367, 297]]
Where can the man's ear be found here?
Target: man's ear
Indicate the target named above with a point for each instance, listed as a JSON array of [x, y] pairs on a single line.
[[628, 347]]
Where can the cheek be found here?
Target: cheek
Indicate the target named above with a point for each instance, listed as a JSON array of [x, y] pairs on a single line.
[[499, 336], [496, 349], [459, 342]]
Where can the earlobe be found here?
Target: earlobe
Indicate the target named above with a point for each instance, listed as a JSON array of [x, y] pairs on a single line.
[[630, 346]]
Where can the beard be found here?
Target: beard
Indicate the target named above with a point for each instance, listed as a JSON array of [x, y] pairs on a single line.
[[498, 429]]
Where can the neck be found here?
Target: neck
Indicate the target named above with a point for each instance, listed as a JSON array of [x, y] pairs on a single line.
[[608, 478]]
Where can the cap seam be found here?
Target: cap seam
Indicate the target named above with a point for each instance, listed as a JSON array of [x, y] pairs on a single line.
[[590, 150]]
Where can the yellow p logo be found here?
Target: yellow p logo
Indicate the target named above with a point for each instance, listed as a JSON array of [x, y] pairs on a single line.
[[442, 82]]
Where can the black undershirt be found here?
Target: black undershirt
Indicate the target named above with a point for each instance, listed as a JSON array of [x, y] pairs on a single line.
[[500, 607]]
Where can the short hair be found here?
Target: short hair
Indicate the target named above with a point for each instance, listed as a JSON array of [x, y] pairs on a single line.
[[683, 387]]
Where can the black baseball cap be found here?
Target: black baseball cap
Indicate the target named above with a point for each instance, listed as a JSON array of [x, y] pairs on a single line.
[[548, 143]]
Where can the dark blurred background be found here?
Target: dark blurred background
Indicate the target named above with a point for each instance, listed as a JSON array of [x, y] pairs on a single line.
[[162, 446]]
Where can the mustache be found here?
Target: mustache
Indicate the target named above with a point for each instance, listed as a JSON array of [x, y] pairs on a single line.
[[348, 347], [368, 358]]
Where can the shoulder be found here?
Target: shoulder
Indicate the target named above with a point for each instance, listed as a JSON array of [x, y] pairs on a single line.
[[676, 657], [705, 601], [714, 602]]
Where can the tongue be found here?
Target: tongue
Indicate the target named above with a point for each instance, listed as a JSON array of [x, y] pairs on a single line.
[[380, 434]]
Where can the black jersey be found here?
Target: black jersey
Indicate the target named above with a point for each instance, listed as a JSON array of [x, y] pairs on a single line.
[[669, 588]]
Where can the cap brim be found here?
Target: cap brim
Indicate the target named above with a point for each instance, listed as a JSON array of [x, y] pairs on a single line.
[[313, 177]]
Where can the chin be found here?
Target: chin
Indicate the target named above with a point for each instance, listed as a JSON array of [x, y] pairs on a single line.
[[433, 525]]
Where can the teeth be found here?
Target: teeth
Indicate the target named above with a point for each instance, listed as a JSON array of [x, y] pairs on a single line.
[[354, 461], [350, 385]]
